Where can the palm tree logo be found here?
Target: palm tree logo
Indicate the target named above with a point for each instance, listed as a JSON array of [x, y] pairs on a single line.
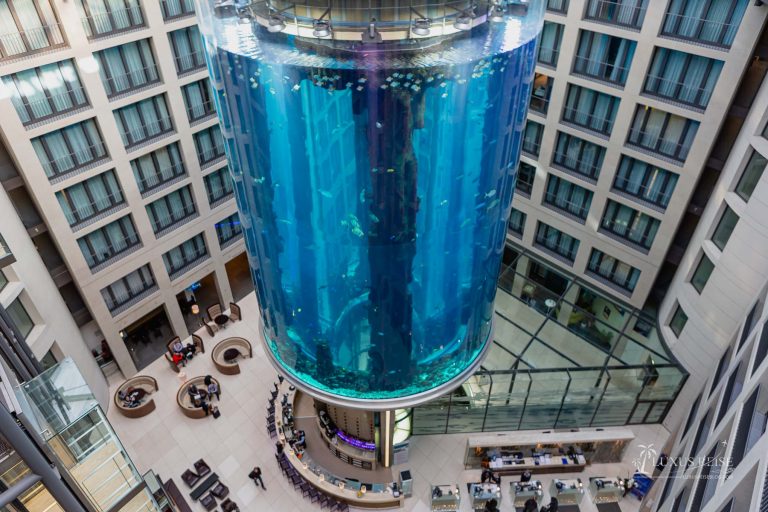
[[648, 454]]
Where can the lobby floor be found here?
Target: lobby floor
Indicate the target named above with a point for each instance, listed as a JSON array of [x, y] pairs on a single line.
[[168, 442]]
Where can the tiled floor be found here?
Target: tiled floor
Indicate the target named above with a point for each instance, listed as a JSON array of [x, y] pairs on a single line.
[[168, 442]]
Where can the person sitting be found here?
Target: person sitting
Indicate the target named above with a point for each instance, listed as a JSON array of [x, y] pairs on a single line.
[[491, 506], [213, 388], [190, 350], [178, 347], [526, 476], [530, 505], [552, 507], [301, 442]]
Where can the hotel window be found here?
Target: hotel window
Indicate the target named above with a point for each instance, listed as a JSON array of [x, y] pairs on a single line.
[[187, 49], [720, 370], [198, 100], [714, 22], [682, 77], [229, 230], [218, 184], [541, 92], [90, 198], [603, 57], [144, 120], [751, 175], [578, 156], [70, 149], [20, 318], [590, 109], [157, 168], [613, 270], [560, 6], [761, 350], [184, 256], [171, 209], [625, 13], [549, 43], [45, 92], [525, 176], [702, 273], [644, 181], [128, 290], [102, 18], [567, 197], [516, 224], [725, 228], [177, 8], [629, 224], [209, 144], [27, 26], [532, 138], [104, 244], [662, 133], [127, 67], [554, 240]]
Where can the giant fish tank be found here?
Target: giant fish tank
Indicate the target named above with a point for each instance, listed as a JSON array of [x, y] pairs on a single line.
[[373, 148]]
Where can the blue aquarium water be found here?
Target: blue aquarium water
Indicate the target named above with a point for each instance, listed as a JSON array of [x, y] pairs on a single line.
[[374, 189]]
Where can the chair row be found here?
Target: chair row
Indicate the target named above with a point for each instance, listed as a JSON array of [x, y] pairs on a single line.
[[307, 490]]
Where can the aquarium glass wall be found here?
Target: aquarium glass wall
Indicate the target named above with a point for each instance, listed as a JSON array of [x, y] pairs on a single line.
[[374, 181]]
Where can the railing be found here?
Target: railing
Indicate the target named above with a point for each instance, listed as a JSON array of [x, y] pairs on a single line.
[[539, 104], [566, 205], [83, 212], [161, 177], [113, 21], [211, 154], [578, 166], [131, 80], [16, 44], [125, 301], [216, 195], [200, 111], [601, 70], [548, 56], [643, 192], [190, 62], [616, 13], [656, 144], [233, 236], [561, 249], [69, 163], [116, 248], [145, 132], [531, 147], [174, 217], [699, 29], [623, 231], [625, 285], [559, 6], [174, 9], [589, 121], [523, 187], [679, 92], [175, 271], [29, 115]]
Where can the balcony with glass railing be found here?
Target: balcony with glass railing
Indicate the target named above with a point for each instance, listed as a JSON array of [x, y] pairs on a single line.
[[572, 165], [177, 9], [17, 44], [623, 13], [548, 56], [655, 144], [149, 131], [190, 62], [112, 22], [599, 124], [134, 80], [531, 146], [161, 179], [114, 251], [73, 163], [84, 213], [165, 223], [698, 30], [210, 156], [600, 70], [201, 111], [677, 92], [578, 209]]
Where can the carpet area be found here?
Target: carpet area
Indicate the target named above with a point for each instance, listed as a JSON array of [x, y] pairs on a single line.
[[608, 507]]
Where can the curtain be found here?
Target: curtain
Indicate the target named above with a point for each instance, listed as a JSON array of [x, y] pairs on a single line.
[[31, 23], [182, 47], [166, 166], [159, 214], [195, 100], [61, 159], [114, 74], [204, 143], [133, 57], [132, 128]]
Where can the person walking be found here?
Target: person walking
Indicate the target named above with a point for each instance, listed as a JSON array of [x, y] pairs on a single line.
[[255, 475]]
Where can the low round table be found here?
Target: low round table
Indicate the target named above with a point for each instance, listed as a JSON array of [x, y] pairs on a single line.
[[230, 354], [220, 320]]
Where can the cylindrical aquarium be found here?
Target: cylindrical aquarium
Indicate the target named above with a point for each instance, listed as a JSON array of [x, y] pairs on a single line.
[[373, 147]]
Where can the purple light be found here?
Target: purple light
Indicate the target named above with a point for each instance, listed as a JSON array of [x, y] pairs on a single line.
[[357, 443]]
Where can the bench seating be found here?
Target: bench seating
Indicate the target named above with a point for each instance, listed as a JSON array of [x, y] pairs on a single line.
[[184, 401], [145, 382], [230, 367]]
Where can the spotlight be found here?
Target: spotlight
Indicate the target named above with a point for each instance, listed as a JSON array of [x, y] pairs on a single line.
[[463, 22], [276, 23], [421, 26], [321, 28]]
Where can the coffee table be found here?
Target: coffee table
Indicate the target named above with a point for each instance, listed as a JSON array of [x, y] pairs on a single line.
[[221, 319]]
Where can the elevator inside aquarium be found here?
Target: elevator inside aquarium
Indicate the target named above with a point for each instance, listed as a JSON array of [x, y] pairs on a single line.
[[373, 148]]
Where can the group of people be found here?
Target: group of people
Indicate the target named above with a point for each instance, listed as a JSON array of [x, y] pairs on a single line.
[[180, 352], [201, 397], [131, 397]]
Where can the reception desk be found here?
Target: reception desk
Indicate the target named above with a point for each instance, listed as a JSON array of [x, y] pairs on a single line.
[[357, 457], [377, 496]]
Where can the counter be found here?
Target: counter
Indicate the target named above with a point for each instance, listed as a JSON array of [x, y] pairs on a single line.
[[606, 490], [567, 492], [523, 491], [358, 457], [480, 494], [445, 497], [348, 491]]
